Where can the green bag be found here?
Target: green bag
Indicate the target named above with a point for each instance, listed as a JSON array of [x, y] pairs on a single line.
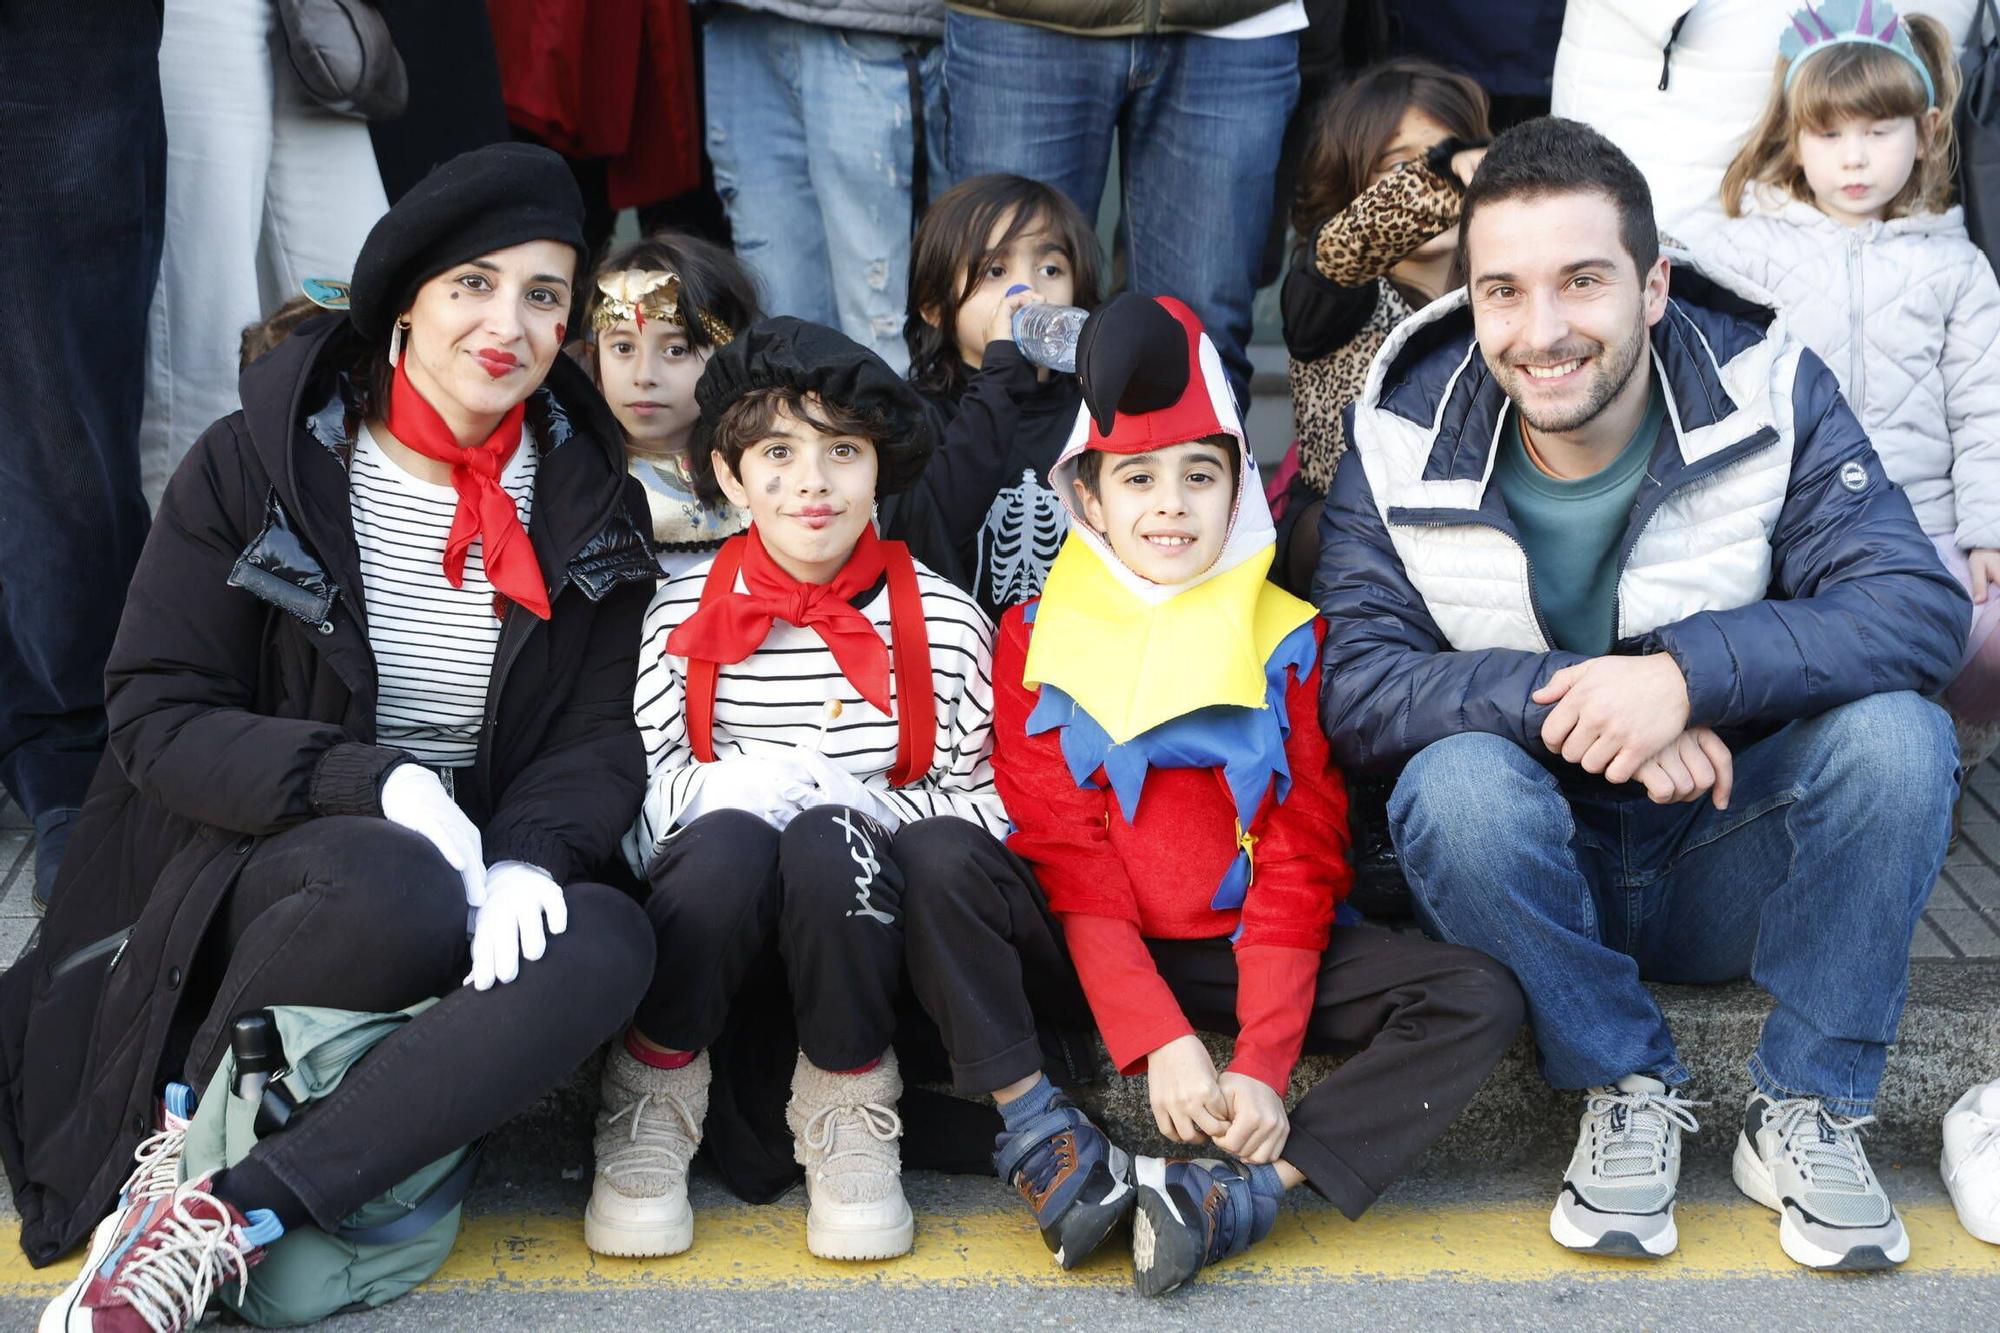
[[382, 1249]]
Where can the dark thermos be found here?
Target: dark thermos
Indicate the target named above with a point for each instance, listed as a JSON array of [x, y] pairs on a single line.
[[260, 1056]]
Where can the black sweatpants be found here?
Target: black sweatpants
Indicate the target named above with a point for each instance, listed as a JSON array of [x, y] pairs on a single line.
[[825, 893], [359, 913], [1421, 1023]]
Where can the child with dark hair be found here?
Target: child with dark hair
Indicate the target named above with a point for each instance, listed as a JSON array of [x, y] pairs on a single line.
[[1157, 744], [810, 698], [659, 308], [1377, 217], [982, 513], [274, 328]]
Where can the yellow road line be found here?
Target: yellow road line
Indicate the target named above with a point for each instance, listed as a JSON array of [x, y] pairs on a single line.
[[742, 1246]]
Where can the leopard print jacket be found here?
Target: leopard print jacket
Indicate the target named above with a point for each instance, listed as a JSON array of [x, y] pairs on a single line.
[[1356, 248]]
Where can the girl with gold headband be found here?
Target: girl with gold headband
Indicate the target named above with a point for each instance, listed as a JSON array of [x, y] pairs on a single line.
[[659, 308]]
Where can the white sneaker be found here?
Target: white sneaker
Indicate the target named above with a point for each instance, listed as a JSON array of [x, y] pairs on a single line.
[[1807, 1165], [647, 1133], [1971, 1161], [844, 1133], [1618, 1193]]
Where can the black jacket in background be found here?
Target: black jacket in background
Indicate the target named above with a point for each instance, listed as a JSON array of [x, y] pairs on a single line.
[[241, 699], [997, 442]]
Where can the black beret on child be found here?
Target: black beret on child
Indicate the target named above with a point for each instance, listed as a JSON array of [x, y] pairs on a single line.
[[488, 199], [789, 353]]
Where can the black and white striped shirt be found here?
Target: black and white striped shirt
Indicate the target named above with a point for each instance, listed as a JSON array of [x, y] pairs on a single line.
[[776, 700], [433, 643]]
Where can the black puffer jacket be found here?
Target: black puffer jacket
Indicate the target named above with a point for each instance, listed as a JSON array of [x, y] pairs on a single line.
[[241, 696]]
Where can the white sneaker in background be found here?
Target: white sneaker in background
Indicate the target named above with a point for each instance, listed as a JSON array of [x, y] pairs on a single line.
[[1971, 1161]]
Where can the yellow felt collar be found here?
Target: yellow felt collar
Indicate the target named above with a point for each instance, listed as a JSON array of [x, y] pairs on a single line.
[[1132, 666]]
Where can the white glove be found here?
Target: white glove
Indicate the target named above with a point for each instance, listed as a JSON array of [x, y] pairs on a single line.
[[772, 787], [413, 797], [834, 785], [508, 927]]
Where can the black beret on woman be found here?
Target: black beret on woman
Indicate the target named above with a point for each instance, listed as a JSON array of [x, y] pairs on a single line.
[[373, 683]]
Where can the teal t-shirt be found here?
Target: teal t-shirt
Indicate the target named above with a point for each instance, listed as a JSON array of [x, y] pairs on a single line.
[[1573, 529]]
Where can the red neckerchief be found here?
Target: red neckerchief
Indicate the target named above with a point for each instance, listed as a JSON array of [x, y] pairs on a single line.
[[486, 512], [734, 625], [728, 626]]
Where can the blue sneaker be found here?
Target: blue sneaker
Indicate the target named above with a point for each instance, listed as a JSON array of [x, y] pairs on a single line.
[[1078, 1182], [1192, 1213]]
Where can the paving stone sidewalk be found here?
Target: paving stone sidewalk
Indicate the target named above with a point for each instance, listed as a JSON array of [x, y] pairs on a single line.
[[1962, 921]]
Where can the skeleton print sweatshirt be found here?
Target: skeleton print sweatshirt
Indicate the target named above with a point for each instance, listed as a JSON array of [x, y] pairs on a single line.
[[983, 510]]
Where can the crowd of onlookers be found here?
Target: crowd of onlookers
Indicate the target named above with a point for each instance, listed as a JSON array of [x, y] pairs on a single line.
[[1622, 607]]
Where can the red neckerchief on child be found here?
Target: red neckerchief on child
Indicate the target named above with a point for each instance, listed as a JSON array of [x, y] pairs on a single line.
[[729, 626], [485, 511]]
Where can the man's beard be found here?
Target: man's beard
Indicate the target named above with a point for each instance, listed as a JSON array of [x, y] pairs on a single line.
[[1610, 374]]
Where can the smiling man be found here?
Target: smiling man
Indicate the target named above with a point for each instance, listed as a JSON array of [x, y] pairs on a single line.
[[1622, 582]]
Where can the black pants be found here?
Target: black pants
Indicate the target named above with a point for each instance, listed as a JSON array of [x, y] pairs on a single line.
[[358, 913], [825, 893], [1421, 1023], [80, 234]]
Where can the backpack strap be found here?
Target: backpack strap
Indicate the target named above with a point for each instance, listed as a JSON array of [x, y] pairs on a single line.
[[449, 1193], [701, 676], [910, 658]]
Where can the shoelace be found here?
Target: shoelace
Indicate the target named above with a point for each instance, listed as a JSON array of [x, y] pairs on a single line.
[[876, 1120], [649, 1137], [1988, 1141], [1839, 1164], [168, 1278], [1040, 1166], [1634, 1150], [157, 1165]]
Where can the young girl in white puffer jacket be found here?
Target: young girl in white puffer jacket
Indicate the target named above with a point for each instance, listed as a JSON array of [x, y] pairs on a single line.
[[1838, 206]]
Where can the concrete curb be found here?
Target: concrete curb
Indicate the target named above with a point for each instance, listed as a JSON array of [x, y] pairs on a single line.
[[1950, 1039]]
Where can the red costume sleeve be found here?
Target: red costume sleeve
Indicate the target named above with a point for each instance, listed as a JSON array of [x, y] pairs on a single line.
[[1061, 829], [1302, 871], [1135, 1011]]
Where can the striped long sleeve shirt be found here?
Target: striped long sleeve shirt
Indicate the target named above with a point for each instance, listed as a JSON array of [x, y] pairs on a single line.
[[777, 699]]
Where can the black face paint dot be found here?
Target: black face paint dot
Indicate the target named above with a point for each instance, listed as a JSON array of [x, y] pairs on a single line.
[[771, 486]]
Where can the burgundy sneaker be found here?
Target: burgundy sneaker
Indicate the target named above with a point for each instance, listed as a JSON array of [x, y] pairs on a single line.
[[158, 1259]]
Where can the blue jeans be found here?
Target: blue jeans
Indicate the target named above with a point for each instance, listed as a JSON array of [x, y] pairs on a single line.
[[1811, 883], [80, 231], [1200, 122], [810, 131]]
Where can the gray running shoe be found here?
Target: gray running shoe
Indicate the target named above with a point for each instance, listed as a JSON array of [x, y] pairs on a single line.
[[1618, 1194], [1806, 1164]]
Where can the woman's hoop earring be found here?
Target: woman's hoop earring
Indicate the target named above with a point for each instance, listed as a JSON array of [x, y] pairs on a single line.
[[396, 333]]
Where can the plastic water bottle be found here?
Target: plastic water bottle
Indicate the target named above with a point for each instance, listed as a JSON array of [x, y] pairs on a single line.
[[1047, 334]]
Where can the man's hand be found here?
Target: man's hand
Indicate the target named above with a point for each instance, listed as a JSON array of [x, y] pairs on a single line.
[[1696, 763], [1985, 573], [1258, 1126], [1612, 714], [1188, 1102]]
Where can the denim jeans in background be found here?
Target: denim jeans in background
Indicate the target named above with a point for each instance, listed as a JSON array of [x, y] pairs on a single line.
[[265, 188], [1811, 883], [811, 134], [1200, 123], [82, 187]]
